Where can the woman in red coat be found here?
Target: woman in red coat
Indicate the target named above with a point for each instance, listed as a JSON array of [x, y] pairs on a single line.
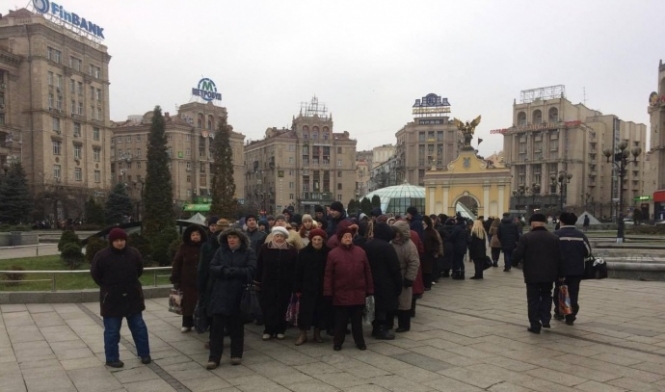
[[348, 280], [184, 272]]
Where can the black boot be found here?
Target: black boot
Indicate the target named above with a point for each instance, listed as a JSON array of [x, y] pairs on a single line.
[[446, 273], [382, 333], [403, 320], [458, 275]]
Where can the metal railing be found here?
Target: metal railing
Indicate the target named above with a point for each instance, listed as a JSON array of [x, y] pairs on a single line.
[[54, 273]]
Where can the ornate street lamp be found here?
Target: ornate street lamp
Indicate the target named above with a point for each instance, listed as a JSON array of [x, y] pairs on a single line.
[[619, 159], [562, 181]]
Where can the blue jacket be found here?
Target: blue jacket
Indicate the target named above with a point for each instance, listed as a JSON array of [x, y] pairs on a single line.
[[416, 225], [575, 248]]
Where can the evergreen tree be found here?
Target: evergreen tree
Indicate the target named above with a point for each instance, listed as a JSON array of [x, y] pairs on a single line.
[[376, 201], [94, 212], [366, 205], [223, 187], [15, 199], [158, 189], [118, 205], [352, 206]]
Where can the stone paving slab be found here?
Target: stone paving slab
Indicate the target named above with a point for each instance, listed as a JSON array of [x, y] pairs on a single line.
[[467, 336]]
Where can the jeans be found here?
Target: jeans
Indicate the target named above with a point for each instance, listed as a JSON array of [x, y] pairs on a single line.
[[458, 262], [236, 329], [479, 267], [342, 316], [573, 283], [496, 252], [539, 299], [112, 336], [507, 258]]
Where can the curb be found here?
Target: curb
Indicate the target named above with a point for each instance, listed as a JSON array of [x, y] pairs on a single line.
[[71, 296]]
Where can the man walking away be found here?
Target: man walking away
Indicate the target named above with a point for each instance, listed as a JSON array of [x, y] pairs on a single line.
[[575, 248], [539, 251], [508, 234], [586, 222]]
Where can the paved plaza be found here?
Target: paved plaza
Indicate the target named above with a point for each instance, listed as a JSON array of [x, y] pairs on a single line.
[[467, 336]]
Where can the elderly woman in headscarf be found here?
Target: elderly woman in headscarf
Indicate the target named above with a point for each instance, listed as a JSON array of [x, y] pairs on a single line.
[[433, 249], [275, 270], [293, 237], [310, 270], [409, 261], [307, 226]]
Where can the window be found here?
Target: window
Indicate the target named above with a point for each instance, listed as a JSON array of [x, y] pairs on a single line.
[[73, 107], [120, 153], [96, 154], [203, 180], [188, 152], [138, 153], [521, 119], [537, 176], [291, 185], [56, 124], [54, 55], [291, 196], [339, 197], [77, 151], [339, 186], [99, 94], [290, 160], [553, 115], [50, 101], [75, 63], [72, 86], [292, 147], [537, 117], [339, 173], [56, 147], [78, 174], [188, 138], [168, 151], [189, 178], [79, 109], [92, 112], [202, 167], [98, 176], [189, 166], [138, 165], [58, 102], [56, 171], [77, 129], [129, 139], [92, 93], [339, 150], [138, 138], [439, 136], [58, 80], [80, 88], [95, 134], [421, 137], [521, 175], [339, 162], [50, 78]]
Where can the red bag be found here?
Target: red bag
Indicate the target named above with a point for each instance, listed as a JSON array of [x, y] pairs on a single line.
[[293, 310], [564, 301]]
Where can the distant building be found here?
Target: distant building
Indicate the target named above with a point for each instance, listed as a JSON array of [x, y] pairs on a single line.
[[496, 160], [381, 154], [656, 110], [362, 178]]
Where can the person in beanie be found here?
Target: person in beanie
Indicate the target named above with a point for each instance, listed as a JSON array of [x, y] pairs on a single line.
[[307, 227], [184, 272], [575, 248], [211, 224], [256, 236], [337, 215], [116, 270], [508, 234], [308, 286], [321, 217], [540, 252], [415, 221], [375, 213]]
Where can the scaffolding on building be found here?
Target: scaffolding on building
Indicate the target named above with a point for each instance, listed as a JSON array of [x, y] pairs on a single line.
[[543, 93], [314, 108]]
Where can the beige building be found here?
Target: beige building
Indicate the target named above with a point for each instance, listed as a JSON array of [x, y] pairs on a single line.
[[430, 140], [54, 110], [381, 154], [656, 111], [190, 135], [304, 166], [362, 178], [550, 135]]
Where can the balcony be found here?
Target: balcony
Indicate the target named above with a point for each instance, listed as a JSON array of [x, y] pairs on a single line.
[[323, 196]]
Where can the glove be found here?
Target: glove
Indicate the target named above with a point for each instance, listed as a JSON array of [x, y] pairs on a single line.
[[225, 272], [231, 272], [407, 283]]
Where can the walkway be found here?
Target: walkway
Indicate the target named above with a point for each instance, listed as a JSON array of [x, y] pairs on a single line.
[[467, 336]]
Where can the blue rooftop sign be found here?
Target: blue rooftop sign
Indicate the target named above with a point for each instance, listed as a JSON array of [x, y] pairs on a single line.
[[57, 11]]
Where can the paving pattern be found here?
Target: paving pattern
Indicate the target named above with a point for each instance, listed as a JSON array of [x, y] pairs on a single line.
[[467, 336]]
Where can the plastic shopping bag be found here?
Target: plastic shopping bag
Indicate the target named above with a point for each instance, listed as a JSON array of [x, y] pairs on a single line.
[[293, 310], [564, 301], [175, 301], [368, 312]]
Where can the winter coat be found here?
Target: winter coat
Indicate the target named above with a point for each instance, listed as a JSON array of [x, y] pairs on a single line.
[[117, 273], [230, 271], [433, 250], [256, 239], [540, 253], [575, 248], [508, 233], [477, 248], [348, 278], [184, 272], [275, 272], [494, 242], [460, 238], [418, 285], [409, 261], [385, 266], [331, 228], [446, 234], [416, 225], [308, 281], [208, 251]]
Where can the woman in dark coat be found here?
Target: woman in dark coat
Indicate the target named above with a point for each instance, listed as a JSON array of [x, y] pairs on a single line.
[[310, 269], [446, 234], [275, 271], [387, 278], [478, 248], [184, 272], [433, 249]]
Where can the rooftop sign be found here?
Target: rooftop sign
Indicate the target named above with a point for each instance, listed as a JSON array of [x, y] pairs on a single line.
[[536, 127], [431, 105], [57, 11], [207, 90]]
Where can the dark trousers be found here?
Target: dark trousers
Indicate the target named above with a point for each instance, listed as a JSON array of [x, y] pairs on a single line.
[[507, 258], [139, 332], [427, 280], [539, 300], [188, 321], [573, 283], [496, 252], [458, 262], [479, 266], [342, 316], [236, 330]]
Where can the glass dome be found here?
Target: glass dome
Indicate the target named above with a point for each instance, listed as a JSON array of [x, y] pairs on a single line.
[[396, 199]]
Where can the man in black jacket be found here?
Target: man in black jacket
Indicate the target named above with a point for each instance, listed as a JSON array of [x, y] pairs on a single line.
[[256, 237], [540, 253], [508, 233], [575, 248]]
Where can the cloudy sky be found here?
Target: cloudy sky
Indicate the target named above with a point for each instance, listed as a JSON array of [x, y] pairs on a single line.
[[369, 60]]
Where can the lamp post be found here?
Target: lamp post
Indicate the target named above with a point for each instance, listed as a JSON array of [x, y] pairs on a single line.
[[535, 190], [562, 181], [139, 198], [619, 159]]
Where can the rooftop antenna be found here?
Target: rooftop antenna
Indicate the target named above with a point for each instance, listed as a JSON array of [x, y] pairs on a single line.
[[584, 95]]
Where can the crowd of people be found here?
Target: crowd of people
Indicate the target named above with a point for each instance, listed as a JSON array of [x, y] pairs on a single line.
[[331, 263]]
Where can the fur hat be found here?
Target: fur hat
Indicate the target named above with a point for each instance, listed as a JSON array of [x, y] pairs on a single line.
[[223, 224], [117, 234], [319, 233], [280, 230]]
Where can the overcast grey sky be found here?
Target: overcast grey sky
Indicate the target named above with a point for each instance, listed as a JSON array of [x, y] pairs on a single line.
[[369, 60]]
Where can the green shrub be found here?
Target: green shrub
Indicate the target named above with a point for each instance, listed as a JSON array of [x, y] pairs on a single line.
[[13, 278], [95, 244], [173, 248], [8, 228], [645, 229], [68, 236], [161, 247], [142, 244], [90, 227], [71, 255]]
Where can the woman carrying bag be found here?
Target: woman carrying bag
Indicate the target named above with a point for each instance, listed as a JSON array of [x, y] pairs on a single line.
[[495, 244], [478, 248]]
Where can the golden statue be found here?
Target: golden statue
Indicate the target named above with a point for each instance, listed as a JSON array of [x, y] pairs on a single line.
[[467, 130]]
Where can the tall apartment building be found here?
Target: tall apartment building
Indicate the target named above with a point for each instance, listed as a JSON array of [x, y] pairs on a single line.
[[656, 112], [550, 135], [362, 177], [190, 135], [54, 107], [430, 140], [381, 154], [303, 166]]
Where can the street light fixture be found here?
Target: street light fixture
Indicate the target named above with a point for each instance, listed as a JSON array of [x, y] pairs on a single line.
[[535, 190], [562, 181], [620, 160]]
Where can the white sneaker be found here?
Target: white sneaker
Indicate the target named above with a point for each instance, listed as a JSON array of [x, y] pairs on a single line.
[[185, 329], [266, 336], [280, 336]]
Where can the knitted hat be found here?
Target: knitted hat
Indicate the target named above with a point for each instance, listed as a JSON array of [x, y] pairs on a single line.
[[412, 210], [538, 218], [318, 208], [223, 224], [306, 218], [280, 230], [250, 216], [319, 233], [337, 206], [376, 211], [346, 230], [212, 220], [568, 218], [280, 217], [117, 234]]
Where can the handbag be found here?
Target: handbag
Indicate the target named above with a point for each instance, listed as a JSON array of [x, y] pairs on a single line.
[[595, 268], [250, 309], [175, 301], [201, 321], [368, 312], [487, 263], [564, 301], [293, 310]]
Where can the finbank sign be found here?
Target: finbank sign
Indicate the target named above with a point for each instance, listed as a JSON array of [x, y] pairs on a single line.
[[47, 7]]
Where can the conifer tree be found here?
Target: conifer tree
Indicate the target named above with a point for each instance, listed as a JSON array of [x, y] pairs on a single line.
[[224, 203], [94, 212], [366, 205], [15, 199], [118, 205], [158, 189], [376, 201]]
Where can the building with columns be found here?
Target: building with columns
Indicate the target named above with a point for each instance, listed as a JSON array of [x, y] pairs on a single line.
[[656, 110]]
